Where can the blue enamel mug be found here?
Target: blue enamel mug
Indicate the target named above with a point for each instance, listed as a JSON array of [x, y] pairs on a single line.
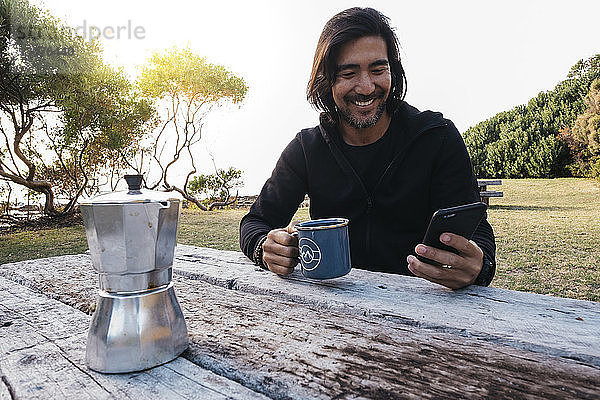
[[324, 248]]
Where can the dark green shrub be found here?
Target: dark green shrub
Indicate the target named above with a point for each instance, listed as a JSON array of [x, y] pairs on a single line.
[[524, 142]]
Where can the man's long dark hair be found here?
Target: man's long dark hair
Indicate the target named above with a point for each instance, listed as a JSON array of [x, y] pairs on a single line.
[[347, 25]]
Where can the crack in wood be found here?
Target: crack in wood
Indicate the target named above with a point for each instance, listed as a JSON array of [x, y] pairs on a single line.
[[263, 384], [171, 388], [560, 311], [8, 386], [196, 382], [203, 259], [23, 318], [23, 348], [85, 372], [487, 298]]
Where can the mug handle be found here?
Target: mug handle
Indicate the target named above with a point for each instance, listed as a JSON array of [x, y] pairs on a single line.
[[295, 234]]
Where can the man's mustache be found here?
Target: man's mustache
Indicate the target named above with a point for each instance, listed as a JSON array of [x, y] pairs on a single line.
[[362, 98]]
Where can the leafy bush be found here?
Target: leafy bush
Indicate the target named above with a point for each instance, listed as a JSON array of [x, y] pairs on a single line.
[[217, 187], [525, 142], [583, 139]]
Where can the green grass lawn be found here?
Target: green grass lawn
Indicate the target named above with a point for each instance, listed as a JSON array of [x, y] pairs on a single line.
[[547, 234], [28, 245], [548, 237]]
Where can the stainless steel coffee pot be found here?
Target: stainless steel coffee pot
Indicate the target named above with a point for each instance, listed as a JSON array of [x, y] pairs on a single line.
[[138, 322]]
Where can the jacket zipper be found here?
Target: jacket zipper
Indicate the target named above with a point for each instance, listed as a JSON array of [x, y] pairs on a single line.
[[368, 233], [345, 164]]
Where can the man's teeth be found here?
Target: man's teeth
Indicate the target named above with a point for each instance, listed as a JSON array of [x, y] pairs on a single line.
[[364, 103]]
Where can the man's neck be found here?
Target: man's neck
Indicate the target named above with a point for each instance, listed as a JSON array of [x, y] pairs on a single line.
[[364, 136]]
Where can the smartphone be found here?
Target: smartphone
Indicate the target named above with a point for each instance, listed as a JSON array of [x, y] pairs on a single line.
[[461, 220]]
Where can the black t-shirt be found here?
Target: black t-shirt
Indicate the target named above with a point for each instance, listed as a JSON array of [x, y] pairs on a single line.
[[371, 160]]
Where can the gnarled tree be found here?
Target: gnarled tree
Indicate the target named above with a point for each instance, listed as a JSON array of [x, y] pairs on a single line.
[[65, 117], [184, 88], [216, 188]]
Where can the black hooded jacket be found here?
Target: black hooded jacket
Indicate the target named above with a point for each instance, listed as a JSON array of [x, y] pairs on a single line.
[[430, 169]]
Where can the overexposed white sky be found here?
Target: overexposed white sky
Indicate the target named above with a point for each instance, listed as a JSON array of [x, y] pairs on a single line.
[[469, 59]]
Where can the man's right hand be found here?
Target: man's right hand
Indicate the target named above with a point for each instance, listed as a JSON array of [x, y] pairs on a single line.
[[280, 250]]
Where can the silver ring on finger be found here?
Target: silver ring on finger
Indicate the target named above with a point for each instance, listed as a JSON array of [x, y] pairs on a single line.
[[447, 266]]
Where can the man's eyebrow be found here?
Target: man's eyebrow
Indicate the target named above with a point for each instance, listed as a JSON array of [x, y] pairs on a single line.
[[376, 63], [382, 61], [346, 66]]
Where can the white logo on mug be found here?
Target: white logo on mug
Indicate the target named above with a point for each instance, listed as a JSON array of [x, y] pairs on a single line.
[[310, 253]]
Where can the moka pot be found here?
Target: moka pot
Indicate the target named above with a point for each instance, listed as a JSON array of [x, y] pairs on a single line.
[[138, 322]]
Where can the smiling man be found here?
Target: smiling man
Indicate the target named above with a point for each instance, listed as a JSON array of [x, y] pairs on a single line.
[[361, 88], [373, 159]]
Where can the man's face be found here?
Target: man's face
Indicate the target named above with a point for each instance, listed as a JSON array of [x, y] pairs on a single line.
[[363, 81]]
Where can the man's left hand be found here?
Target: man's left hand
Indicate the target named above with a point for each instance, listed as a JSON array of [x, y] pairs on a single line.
[[457, 270]]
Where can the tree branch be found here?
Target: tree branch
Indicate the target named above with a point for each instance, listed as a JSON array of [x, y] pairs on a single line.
[[41, 108], [42, 187], [20, 132], [188, 197], [70, 207], [225, 203], [10, 153]]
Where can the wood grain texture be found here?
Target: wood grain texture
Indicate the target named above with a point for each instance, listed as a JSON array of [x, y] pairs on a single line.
[[301, 351], [42, 350], [557, 326], [362, 336]]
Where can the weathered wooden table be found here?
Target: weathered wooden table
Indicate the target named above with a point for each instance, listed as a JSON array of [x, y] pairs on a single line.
[[254, 335]]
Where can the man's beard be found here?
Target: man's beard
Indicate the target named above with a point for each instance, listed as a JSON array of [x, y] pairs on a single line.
[[361, 123]]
